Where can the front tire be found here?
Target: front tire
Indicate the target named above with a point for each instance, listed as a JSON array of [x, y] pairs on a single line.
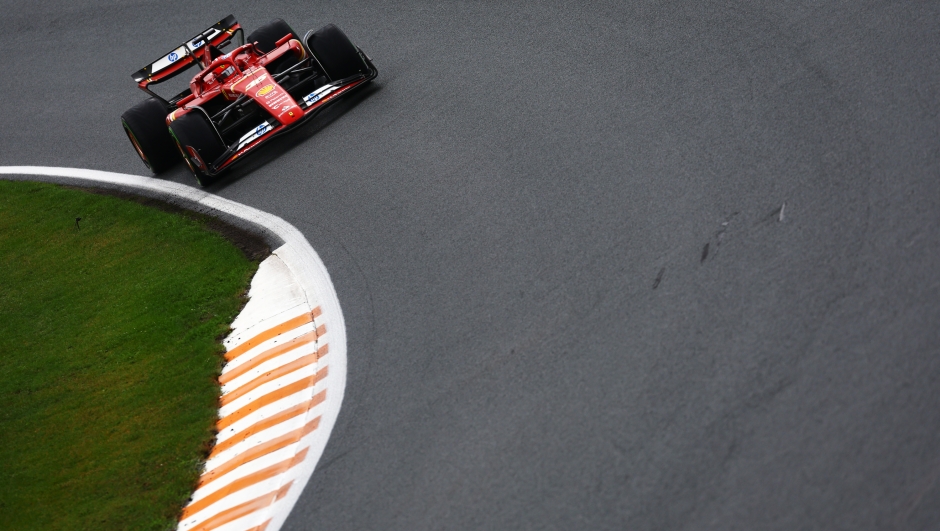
[[145, 126], [266, 36], [198, 142], [336, 53]]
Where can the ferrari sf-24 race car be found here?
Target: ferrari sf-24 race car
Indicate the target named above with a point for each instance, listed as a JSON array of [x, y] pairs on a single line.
[[240, 99]]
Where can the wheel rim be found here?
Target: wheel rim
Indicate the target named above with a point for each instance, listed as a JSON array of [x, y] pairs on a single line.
[[185, 154], [136, 144]]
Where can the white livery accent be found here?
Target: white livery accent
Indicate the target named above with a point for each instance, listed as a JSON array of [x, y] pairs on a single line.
[[315, 96], [170, 58], [198, 42], [182, 51], [254, 134]]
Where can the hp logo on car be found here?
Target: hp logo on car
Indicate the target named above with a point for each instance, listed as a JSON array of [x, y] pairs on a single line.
[[173, 57]]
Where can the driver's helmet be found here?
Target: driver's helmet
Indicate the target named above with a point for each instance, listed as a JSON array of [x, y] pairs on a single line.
[[223, 72]]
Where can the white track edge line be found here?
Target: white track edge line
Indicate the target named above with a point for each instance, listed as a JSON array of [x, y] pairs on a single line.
[[285, 240]]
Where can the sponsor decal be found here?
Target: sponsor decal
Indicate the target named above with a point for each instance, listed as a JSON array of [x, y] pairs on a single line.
[[255, 82], [318, 94], [252, 135], [199, 41], [173, 57], [264, 90]]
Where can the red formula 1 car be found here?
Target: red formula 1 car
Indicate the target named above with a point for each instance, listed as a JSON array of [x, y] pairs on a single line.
[[240, 99]]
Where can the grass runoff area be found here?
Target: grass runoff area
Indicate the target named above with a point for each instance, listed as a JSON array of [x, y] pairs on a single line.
[[109, 351]]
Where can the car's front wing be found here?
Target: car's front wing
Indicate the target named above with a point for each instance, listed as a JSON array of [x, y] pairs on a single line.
[[311, 104]]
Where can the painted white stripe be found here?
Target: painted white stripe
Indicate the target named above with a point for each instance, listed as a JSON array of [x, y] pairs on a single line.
[[290, 355], [250, 468], [265, 412], [249, 378], [235, 498], [259, 438], [308, 287], [244, 333], [269, 387]]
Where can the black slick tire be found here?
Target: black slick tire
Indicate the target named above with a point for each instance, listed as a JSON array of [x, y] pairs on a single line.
[[198, 142], [145, 126], [336, 53], [266, 36]]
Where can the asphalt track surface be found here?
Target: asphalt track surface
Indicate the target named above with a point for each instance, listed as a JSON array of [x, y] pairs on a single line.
[[572, 298]]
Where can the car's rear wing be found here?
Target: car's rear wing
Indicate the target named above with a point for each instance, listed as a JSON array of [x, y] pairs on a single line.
[[176, 61]]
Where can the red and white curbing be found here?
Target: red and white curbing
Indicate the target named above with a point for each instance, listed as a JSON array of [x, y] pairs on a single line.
[[283, 383]]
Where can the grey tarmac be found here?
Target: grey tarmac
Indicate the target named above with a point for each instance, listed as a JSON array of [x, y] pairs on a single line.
[[621, 265]]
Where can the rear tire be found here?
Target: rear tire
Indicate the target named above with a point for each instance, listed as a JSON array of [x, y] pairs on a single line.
[[198, 142], [336, 53], [145, 126]]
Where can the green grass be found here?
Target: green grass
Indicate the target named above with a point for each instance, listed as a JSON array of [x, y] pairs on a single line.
[[109, 352]]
